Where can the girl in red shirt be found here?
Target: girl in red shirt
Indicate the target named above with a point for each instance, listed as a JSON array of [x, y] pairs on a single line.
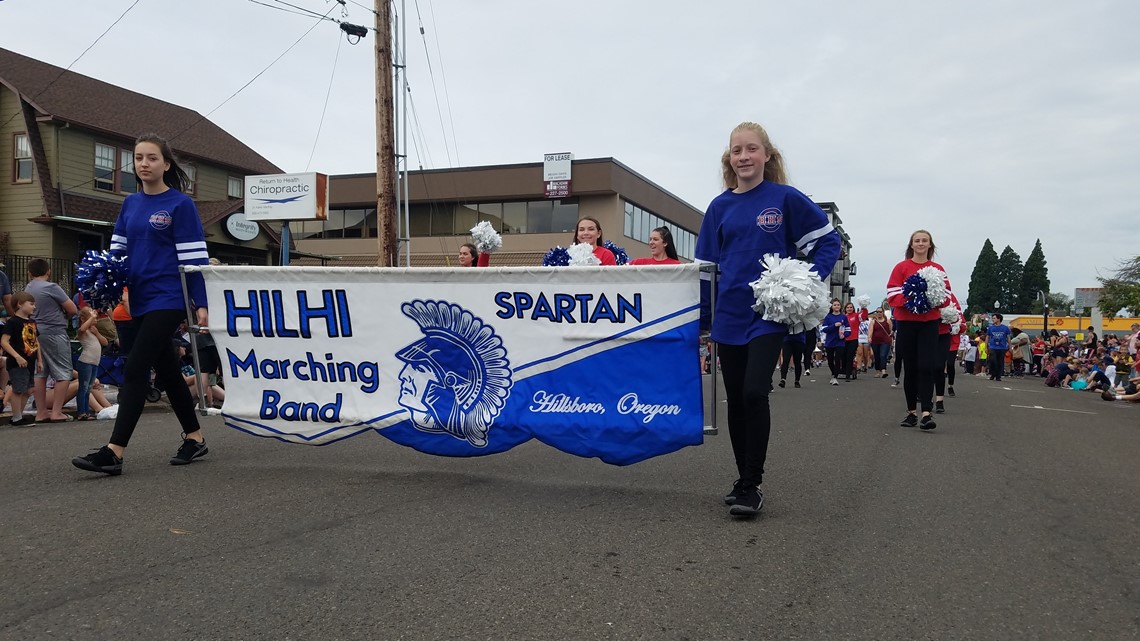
[[916, 335], [589, 231]]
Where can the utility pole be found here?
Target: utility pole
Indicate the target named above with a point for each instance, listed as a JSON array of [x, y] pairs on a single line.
[[385, 139]]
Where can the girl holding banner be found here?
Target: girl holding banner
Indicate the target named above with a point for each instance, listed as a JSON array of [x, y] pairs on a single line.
[[757, 214], [158, 229]]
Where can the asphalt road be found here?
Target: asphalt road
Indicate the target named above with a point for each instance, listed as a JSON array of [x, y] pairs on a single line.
[[1007, 522]]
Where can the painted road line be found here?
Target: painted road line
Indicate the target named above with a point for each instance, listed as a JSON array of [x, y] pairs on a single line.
[[1051, 409], [1013, 389]]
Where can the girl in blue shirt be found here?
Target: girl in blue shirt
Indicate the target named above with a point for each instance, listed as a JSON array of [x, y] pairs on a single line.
[[757, 214], [835, 328], [159, 229]]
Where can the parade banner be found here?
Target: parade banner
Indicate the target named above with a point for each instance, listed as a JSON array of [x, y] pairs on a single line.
[[597, 362]]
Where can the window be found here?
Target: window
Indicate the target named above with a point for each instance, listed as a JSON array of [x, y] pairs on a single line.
[[191, 177], [128, 181], [465, 218], [565, 216], [104, 167], [514, 218], [639, 223], [22, 172], [115, 169], [492, 213], [538, 216], [235, 188]]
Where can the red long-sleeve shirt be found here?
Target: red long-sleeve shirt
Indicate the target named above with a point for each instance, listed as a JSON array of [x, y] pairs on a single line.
[[897, 301]]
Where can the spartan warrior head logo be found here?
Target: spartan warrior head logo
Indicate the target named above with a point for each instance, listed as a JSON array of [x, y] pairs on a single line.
[[456, 378]]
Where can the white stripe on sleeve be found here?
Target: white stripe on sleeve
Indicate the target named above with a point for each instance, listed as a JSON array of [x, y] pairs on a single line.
[[814, 235]]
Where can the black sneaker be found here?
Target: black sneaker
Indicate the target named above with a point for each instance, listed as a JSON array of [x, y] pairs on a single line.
[[749, 503], [910, 421], [950, 391], [896, 383], [927, 423], [783, 383], [939, 408], [102, 460], [23, 421], [189, 451], [737, 488], [807, 372], [797, 384]]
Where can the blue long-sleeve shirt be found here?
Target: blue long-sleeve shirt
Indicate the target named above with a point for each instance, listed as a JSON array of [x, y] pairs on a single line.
[[158, 233], [739, 229], [835, 336]]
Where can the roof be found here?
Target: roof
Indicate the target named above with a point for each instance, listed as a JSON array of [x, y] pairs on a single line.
[[80, 100]]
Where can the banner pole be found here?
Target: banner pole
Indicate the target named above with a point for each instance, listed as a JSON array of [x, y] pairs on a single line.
[[192, 330], [712, 428]]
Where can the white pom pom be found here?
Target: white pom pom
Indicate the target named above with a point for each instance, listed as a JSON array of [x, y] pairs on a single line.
[[485, 237], [582, 254], [950, 315], [788, 292], [863, 302], [936, 292]]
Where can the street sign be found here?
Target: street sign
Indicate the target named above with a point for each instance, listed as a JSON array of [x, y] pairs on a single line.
[[1086, 297]]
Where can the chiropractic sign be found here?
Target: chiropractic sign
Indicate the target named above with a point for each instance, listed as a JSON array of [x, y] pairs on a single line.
[[597, 362]]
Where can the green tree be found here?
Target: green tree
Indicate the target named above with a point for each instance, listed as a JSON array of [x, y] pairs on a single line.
[[984, 286], [1034, 278], [1060, 304], [1009, 273], [1122, 289]]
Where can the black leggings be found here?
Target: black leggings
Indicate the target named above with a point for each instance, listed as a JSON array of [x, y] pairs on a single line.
[[898, 359], [809, 347], [945, 366], [153, 347], [793, 352], [917, 344], [835, 361], [849, 350], [747, 371]]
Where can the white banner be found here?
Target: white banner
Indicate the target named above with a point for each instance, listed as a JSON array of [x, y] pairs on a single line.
[[596, 361]]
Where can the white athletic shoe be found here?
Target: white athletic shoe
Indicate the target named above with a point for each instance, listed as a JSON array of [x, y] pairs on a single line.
[[833, 381]]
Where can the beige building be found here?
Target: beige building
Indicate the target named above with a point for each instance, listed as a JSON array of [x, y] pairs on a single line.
[[444, 204], [67, 163]]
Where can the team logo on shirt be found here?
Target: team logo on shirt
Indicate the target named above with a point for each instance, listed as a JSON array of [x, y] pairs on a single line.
[[770, 219], [161, 220]]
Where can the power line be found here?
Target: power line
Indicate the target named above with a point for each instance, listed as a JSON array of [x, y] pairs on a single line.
[[242, 88], [435, 91], [446, 94], [77, 58], [328, 93]]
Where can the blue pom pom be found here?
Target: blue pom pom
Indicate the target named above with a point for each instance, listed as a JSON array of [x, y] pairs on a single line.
[[618, 252], [914, 290], [556, 257], [101, 276]]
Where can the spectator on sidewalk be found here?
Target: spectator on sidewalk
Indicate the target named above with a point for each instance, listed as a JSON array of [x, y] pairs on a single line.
[[53, 310], [997, 343]]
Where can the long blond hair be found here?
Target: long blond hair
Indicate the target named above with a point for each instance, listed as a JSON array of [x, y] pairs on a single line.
[[773, 169]]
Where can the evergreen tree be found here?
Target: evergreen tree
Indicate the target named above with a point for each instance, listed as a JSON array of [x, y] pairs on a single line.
[[1034, 278], [1009, 270], [984, 284]]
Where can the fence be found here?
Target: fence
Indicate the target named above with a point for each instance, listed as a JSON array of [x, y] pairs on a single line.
[[62, 271]]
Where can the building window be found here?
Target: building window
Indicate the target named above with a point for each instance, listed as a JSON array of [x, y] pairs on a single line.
[[639, 223], [105, 167], [115, 169], [235, 188], [22, 172], [191, 178], [128, 181]]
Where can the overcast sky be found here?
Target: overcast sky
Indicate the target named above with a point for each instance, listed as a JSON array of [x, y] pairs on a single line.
[[1004, 120]]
